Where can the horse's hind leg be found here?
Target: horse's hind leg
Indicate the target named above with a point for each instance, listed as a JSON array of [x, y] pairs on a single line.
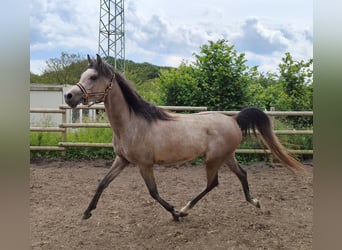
[[242, 175], [118, 165], [211, 167], [148, 176]]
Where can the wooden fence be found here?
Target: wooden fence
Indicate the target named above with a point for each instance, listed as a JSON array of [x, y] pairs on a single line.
[[64, 126]]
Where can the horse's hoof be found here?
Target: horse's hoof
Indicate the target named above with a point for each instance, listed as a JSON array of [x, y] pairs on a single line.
[[182, 214], [86, 216], [175, 215], [176, 218], [255, 202]]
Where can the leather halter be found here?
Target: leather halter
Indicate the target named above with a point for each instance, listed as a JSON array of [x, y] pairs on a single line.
[[99, 96]]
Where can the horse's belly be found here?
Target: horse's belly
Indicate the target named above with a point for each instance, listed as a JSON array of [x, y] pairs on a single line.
[[177, 154], [178, 149]]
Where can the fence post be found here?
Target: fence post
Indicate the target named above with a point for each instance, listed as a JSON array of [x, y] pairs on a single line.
[[64, 133], [272, 118]]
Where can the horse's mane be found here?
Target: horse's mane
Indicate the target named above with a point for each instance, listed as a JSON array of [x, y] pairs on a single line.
[[135, 102]]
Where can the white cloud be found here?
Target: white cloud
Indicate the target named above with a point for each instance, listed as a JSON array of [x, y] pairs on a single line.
[[162, 40], [63, 25], [265, 43], [41, 46], [173, 60], [257, 38], [37, 66], [162, 32]]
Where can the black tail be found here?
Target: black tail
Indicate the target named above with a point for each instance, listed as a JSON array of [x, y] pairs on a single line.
[[252, 119]]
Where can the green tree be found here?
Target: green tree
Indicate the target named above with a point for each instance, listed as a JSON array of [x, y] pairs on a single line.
[[217, 79], [296, 79], [66, 69], [223, 75], [265, 91], [35, 78], [180, 86], [141, 72], [291, 89]]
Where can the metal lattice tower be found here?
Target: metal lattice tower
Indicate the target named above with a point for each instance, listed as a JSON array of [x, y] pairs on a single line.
[[111, 32]]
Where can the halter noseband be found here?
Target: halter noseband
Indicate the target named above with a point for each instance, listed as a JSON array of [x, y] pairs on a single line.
[[99, 96]]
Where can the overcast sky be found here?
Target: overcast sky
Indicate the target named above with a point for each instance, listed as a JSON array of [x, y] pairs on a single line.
[[165, 32]]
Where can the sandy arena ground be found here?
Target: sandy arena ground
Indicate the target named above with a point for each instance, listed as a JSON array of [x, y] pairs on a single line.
[[128, 218]]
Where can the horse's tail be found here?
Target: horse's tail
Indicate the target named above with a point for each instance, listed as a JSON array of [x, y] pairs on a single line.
[[253, 118]]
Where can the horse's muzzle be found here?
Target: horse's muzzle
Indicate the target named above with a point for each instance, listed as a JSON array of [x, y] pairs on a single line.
[[73, 98]]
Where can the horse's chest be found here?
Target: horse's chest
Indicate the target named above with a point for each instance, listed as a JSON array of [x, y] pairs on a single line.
[[137, 152]]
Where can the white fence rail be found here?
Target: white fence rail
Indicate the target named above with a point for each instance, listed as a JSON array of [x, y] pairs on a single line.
[[64, 126]]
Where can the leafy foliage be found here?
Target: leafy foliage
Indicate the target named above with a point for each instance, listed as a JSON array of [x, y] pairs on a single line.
[[223, 75], [180, 87], [145, 77], [217, 79], [296, 79], [264, 91], [64, 70]]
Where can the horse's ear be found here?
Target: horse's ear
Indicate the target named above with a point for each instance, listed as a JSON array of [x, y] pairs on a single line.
[[90, 61], [98, 59]]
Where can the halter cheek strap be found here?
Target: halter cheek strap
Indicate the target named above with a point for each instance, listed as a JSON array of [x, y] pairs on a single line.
[[99, 96], [84, 91]]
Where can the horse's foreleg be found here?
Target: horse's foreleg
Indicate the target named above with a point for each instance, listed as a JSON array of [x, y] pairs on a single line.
[[148, 176], [118, 165], [242, 175]]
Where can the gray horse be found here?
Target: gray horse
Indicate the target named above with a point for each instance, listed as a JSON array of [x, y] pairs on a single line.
[[145, 135]]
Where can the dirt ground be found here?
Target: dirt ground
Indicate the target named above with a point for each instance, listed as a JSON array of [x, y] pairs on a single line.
[[128, 218]]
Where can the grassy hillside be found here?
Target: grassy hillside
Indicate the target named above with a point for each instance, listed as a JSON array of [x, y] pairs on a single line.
[[143, 76]]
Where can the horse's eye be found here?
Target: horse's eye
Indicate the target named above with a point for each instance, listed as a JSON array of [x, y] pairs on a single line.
[[93, 78]]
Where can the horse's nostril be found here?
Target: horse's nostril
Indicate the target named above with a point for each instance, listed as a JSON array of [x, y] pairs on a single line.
[[68, 96]]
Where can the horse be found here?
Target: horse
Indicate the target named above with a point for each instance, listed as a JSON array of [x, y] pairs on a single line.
[[146, 135]]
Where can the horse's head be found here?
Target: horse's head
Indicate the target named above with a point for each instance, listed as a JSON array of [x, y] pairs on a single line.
[[93, 86]]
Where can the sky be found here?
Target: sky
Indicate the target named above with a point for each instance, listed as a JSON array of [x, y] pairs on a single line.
[[165, 33]]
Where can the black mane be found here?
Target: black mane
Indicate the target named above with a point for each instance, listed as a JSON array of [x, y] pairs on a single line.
[[135, 102]]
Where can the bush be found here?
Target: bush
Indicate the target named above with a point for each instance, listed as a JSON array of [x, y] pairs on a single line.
[[217, 79]]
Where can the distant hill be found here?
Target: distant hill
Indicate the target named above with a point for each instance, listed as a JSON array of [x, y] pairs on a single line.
[[143, 75], [137, 73]]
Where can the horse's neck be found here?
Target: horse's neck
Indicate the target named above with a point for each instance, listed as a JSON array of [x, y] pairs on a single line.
[[117, 110]]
